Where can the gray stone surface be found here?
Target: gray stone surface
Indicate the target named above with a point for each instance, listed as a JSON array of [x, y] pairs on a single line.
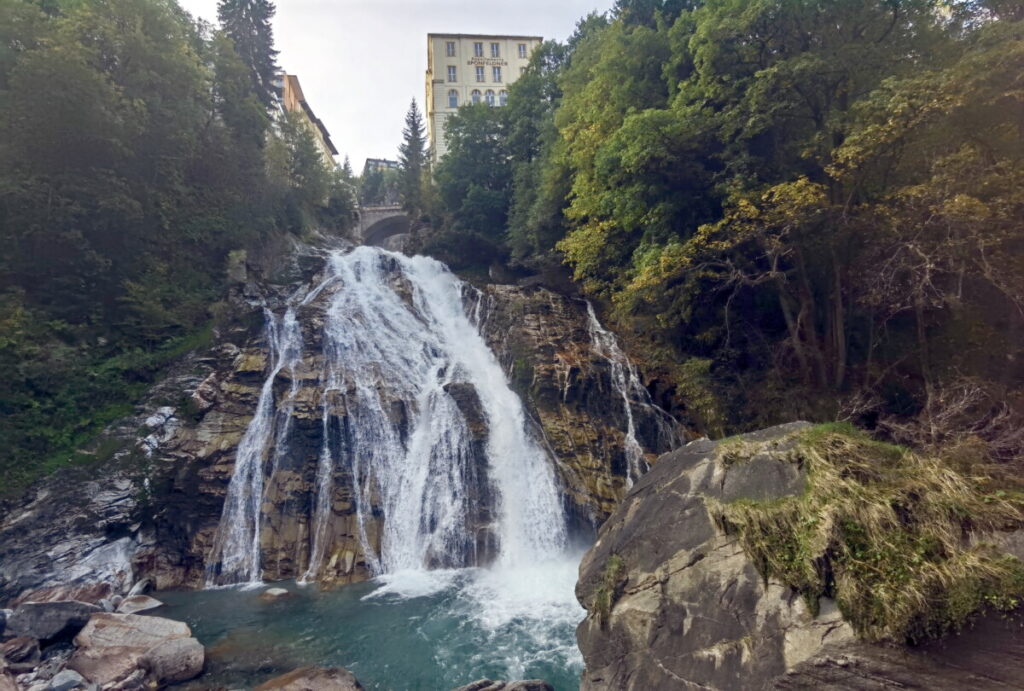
[[133, 604], [48, 620], [67, 680], [174, 660], [313, 679], [490, 685], [20, 654], [690, 611], [114, 647]]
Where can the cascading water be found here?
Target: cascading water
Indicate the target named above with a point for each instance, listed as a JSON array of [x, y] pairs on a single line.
[[427, 461], [397, 344], [397, 330], [631, 390], [235, 556]]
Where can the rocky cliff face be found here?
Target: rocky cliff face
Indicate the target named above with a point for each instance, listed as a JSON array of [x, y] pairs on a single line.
[[674, 602], [149, 508], [546, 343]]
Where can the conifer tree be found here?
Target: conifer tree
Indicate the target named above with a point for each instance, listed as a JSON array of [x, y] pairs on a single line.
[[247, 23], [412, 156]]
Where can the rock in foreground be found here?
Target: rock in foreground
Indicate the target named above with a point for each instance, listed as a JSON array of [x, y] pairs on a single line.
[[114, 648], [313, 679], [675, 602], [489, 685]]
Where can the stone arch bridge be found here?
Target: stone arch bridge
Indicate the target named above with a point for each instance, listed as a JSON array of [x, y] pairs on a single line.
[[379, 223]]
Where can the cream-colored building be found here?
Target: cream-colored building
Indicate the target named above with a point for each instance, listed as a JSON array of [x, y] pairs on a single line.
[[294, 101], [467, 68]]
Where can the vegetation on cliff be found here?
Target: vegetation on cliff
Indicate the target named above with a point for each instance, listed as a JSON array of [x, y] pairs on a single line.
[[136, 153], [799, 209], [902, 541]]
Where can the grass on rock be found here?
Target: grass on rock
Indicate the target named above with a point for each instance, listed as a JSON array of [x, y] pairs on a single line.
[[897, 538]]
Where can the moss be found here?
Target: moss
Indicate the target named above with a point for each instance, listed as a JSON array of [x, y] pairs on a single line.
[[609, 589], [889, 533]]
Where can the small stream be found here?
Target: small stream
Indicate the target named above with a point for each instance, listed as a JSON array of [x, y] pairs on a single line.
[[410, 630]]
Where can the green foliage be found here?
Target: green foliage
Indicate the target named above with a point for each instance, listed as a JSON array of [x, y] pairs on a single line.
[[609, 589], [821, 199], [895, 537], [248, 24], [412, 159], [135, 154]]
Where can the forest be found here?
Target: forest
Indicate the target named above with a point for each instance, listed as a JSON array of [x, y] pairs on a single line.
[[137, 151], [793, 209], [790, 209]]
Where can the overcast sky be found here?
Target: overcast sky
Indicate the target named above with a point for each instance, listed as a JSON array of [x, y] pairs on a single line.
[[361, 61]]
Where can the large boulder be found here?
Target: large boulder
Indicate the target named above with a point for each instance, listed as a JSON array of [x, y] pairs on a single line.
[[675, 602], [115, 647], [489, 685], [49, 620], [313, 679]]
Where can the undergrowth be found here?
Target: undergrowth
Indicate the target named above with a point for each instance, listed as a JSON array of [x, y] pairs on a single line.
[[894, 536], [608, 590]]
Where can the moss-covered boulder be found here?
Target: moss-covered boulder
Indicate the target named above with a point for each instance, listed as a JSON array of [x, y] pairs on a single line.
[[759, 561]]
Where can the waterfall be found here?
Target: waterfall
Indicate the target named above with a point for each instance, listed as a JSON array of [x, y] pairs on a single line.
[[408, 383], [631, 390], [236, 547]]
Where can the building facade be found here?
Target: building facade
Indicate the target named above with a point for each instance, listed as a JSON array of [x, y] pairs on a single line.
[[467, 68], [294, 101]]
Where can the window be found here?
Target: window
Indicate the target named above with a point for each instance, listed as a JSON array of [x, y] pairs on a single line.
[[453, 98], [449, 49], [478, 50], [452, 73], [496, 73], [495, 50], [475, 96], [503, 98], [479, 73], [522, 50], [489, 96]]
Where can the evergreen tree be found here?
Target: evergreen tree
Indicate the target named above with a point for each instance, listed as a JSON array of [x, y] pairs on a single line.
[[412, 156], [247, 23]]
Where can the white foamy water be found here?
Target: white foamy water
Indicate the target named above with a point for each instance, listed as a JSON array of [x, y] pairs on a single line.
[[631, 390], [404, 366], [523, 616], [234, 557]]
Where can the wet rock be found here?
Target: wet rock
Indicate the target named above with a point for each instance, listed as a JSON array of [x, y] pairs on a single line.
[[174, 660], [543, 341], [72, 532], [274, 594], [313, 679], [141, 587], [4, 613], [488, 685], [91, 593], [673, 602], [81, 528], [133, 604], [20, 654], [115, 647], [50, 620], [67, 680]]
